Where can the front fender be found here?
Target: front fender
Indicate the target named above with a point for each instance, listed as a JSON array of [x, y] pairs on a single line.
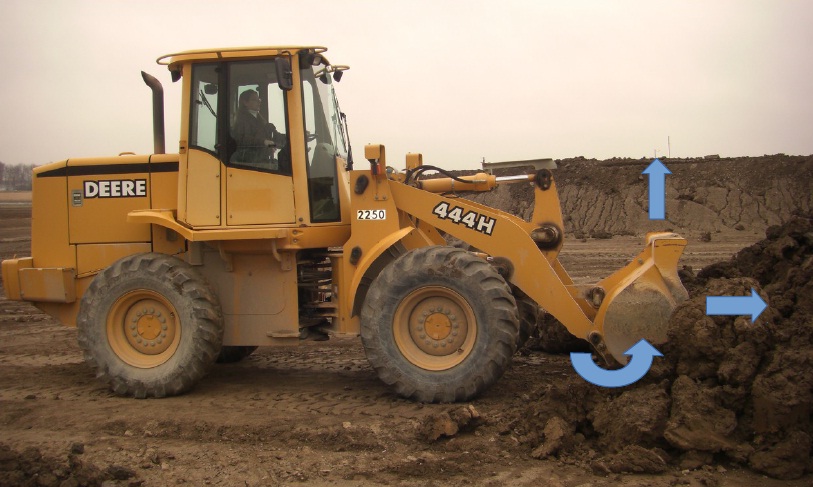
[[370, 265]]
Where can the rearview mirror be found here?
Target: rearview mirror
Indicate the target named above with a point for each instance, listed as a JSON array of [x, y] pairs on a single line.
[[285, 77]]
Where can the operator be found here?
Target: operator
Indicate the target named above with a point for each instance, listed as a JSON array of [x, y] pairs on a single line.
[[256, 138]]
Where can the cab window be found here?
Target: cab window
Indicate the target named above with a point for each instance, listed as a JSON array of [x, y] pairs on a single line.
[[321, 126], [203, 122], [258, 129]]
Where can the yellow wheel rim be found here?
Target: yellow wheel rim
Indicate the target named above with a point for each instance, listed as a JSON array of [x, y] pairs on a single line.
[[143, 329], [434, 328]]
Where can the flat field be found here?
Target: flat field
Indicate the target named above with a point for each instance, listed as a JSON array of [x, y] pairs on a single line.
[[315, 414]]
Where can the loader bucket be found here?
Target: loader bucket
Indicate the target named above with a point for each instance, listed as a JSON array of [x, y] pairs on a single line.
[[639, 298]]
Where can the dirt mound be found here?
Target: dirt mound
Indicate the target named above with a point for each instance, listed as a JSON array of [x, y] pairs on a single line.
[[703, 196], [749, 387], [30, 467], [727, 389]]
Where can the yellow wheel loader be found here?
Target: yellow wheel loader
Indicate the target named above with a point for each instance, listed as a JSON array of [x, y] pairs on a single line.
[[260, 231]]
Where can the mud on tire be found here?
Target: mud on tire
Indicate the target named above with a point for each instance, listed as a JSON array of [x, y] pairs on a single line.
[[439, 324], [150, 326]]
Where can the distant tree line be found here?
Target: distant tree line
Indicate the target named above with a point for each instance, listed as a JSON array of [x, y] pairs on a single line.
[[15, 177]]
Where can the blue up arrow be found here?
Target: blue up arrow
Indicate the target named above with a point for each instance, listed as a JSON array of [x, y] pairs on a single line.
[[642, 353], [736, 305], [657, 191]]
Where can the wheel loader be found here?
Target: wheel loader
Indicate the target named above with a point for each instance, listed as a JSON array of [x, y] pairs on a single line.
[[264, 231]]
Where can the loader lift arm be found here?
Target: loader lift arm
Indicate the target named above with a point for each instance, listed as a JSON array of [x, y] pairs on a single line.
[[633, 303], [536, 272]]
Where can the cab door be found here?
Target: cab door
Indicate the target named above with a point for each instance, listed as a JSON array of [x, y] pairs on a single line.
[[255, 197], [259, 181], [199, 184]]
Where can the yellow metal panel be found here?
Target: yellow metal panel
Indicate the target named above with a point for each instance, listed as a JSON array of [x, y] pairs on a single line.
[[258, 297], [296, 136], [103, 218], [370, 237], [347, 324], [166, 218], [289, 240], [183, 144], [66, 313], [422, 236], [164, 185], [344, 190], [101, 191], [11, 276], [54, 285], [375, 152], [92, 258], [49, 227], [414, 161], [254, 197], [203, 189], [317, 237], [166, 241], [123, 159]]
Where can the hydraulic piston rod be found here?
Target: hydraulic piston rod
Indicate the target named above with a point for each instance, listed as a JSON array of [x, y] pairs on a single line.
[[478, 182]]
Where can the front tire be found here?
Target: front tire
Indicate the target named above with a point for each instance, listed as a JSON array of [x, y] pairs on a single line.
[[439, 324], [150, 326]]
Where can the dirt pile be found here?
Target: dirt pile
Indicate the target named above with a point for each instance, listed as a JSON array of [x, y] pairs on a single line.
[[747, 389], [31, 467], [703, 196], [727, 390]]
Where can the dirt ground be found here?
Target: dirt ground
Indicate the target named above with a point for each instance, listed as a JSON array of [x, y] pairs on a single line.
[[317, 414]]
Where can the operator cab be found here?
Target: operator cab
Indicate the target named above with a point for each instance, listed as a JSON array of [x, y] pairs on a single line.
[[263, 139]]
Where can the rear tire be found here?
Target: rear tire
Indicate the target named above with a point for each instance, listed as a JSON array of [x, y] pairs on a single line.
[[150, 326], [439, 325]]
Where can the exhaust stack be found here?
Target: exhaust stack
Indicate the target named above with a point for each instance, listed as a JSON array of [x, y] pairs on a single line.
[[159, 147]]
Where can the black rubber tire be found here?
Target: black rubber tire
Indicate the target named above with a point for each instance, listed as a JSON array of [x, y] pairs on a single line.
[[528, 316], [232, 354], [195, 317], [527, 322], [461, 274]]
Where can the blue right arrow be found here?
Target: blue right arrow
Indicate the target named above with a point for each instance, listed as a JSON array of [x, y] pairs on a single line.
[[657, 189], [736, 305]]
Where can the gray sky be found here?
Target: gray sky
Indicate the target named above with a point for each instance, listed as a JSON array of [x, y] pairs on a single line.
[[456, 80]]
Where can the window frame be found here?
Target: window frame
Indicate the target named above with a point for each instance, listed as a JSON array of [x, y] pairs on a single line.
[[225, 145], [264, 91], [321, 124], [195, 109]]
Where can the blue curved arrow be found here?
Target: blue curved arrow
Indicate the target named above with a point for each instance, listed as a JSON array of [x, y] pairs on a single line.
[[641, 353], [657, 189]]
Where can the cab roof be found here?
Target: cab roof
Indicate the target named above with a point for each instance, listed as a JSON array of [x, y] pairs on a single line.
[[233, 52]]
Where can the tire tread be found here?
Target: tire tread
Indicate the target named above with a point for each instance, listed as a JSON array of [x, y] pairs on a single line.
[[206, 328], [409, 272]]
